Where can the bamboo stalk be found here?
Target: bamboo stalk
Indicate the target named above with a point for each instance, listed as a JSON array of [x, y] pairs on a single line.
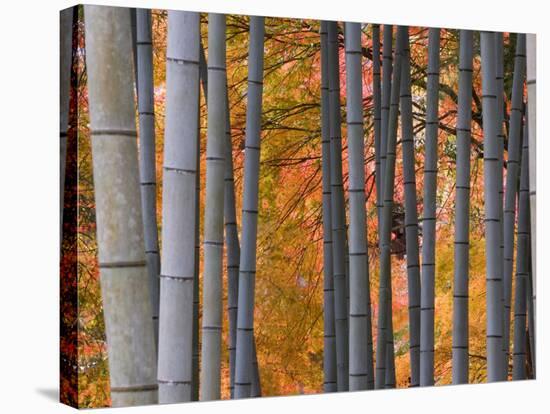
[[462, 212], [337, 211], [124, 281], [411, 218], [385, 332], [512, 175], [329, 344], [247, 268], [427, 300], [179, 208], [491, 146]]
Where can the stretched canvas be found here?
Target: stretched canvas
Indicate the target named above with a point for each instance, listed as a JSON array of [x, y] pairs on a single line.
[[256, 206]]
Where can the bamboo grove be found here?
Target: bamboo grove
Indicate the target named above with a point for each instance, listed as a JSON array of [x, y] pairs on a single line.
[[416, 255]]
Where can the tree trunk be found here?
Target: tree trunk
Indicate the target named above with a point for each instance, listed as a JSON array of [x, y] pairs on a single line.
[[213, 223], [522, 269], [65, 58], [338, 213], [384, 355], [329, 344], [247, 268], [359, 317], [179, 208], [491, 171], [512, 173], [462, 212], [147, 155], [532, 117], [427, 299], [411, 217], [124, 281]]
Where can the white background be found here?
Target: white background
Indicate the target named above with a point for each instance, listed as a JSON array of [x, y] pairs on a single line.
[[29, 208]]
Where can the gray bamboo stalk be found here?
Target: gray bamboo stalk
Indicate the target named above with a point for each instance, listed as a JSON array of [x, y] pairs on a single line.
[[522, 269], [247, 267], [411, 218], [390, 156], [377, 114], [232, 244], [462, 212], [124, 281], [427, 300], [387, 59], [491, 171], [232, 248], [384, 355], [329, 344], [499, 82], [65, 59], [514, 152], [213, 223], [359, 317], [147, 155], [179, 208], [531, 50], [337, 213], [195, 382]]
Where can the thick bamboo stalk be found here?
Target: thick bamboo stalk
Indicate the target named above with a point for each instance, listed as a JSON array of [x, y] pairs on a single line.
[[179, 208], [427, 300], [124, 281], [531, 50], [329, 344], [411, 217], [359, 317], [522, 269], [338, 213], [147, 155], [512, 175], [385, 331], [65, 63], [462, 212], [491, 146], [247, 268], [213, 223]]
